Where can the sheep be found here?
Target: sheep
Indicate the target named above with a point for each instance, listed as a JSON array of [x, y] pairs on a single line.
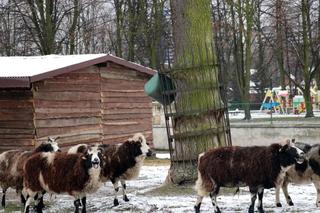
[[307, 172], [11, 167], [123, 162], [257, 167], [75, 174]]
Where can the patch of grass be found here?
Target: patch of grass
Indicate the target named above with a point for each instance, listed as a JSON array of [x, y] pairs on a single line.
[[186, 189], [172, 190], [12, 207], [152, 161]]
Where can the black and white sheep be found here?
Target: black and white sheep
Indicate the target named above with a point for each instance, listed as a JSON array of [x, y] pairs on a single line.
[[123, 161], [307, 172]]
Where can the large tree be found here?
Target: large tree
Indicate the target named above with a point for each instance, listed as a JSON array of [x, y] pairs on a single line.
[[242, 19], [198, 119]]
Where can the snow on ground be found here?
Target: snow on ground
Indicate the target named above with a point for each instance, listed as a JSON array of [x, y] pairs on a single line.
[[163, 155], [153, 176]]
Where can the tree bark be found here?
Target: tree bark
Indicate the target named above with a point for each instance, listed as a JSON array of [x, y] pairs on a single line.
[[199, 121], [306, 58], [279, 41]]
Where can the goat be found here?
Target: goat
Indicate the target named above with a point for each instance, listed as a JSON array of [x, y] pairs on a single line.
[[123, 161], [258, 167], [307, 172], [75, 174], [11, 167]]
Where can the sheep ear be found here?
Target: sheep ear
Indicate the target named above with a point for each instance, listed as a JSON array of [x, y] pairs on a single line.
[[293, 140], [284, 148]]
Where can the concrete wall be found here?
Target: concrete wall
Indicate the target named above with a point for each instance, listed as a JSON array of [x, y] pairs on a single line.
[[159, 131], [248, 134]]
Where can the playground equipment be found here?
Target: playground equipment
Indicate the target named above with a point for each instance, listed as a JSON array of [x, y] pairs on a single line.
[[279, 101], [298, 104], [276, 100]]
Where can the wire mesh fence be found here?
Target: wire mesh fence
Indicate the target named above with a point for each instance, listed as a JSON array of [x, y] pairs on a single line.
[[195, 108]]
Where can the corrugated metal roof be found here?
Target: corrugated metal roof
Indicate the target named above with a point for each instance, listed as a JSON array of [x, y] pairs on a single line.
[[20, 71]]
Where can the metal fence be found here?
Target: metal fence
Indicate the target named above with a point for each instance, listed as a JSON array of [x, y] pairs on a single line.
[[194, 126]]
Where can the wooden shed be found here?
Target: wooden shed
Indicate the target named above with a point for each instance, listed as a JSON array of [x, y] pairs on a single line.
[[80, 98]]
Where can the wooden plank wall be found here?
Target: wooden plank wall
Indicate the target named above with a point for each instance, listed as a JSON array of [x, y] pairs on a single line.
[[16, 119], [126, 109], [69, 106]]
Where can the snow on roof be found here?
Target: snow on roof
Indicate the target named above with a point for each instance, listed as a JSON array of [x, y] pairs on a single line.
[[35, 68], [22, 66]]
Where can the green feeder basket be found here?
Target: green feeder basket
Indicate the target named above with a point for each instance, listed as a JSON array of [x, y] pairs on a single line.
[[160, 88]]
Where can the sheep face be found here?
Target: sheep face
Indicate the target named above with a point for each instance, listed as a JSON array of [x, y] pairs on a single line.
[[290, 154], [48, 146], [54, 144], [141, 145], [93, 158]]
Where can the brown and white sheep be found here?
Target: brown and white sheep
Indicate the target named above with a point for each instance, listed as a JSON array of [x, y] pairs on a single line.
[[11, 167], [257, 167], [75, 174], [123, 161], [307, 172]]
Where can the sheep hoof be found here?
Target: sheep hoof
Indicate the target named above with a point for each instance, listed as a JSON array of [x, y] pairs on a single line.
[[260, 210], [290, 203], [27, 209], [38, 209], [197, 209], [279, 205], [3, 201], [115, 202], [23, 200], [251, 210], [217, 210], [125, 198]]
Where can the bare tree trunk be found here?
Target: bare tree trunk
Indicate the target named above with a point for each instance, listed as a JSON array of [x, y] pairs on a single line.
[[279, 41], [242, 48], [73, 28], [119, 26], [306, 58]]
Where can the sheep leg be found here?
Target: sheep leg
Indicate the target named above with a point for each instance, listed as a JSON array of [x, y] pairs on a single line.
[[278, 203], [84, 204], [260, 196], [198, 204], [317, 186], [76, 205], [213, 196], [116, 190], [22, 199], [30, 198], [286, 194], [3, 201], [253, 192], [39, 202], [124, 187]]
